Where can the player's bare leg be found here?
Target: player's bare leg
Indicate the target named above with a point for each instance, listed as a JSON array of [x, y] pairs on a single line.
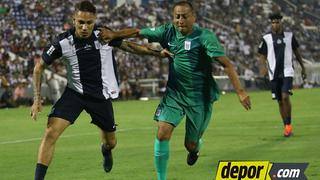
[[287, 114], [164, 131], [281, 110], [54, 129], [286, 104], [109, 141]]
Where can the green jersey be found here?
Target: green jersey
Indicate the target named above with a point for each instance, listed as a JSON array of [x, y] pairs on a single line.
[[190, 72]]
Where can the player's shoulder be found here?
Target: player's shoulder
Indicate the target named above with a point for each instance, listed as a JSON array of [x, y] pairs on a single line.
[[267, 34], [204, 33], [64, 35], [203, 29], [288, 33], [168, 26]]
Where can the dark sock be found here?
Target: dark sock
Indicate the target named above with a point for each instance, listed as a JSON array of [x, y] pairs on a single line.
[[105, 150], [41, 171], [287, 121]]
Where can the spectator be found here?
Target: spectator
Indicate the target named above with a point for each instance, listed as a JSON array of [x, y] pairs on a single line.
[[27, 26], [137, 89], [248, 77], [6, 99], [125, 89], [54, 87]]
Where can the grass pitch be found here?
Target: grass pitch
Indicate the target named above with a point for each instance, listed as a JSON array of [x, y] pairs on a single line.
[[233, 134]]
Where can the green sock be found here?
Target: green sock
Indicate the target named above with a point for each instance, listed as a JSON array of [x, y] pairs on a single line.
[[161, 156]]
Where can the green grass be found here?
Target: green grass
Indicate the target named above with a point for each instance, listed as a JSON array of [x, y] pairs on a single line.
[[233, 134]]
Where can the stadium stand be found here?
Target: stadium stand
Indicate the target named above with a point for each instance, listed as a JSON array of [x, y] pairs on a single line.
[[27, 26]]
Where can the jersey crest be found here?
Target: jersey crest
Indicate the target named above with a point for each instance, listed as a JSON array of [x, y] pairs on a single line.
[[187, 45]]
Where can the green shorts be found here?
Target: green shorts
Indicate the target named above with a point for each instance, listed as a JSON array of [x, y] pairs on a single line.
[[197, 117]]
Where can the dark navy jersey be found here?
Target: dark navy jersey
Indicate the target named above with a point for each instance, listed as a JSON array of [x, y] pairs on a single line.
[[279, 51], [91, 68]]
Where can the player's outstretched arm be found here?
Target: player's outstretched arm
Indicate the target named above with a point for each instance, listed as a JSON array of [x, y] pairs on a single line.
[[107, 35], [37, 72], [233, 76], [143, 49]]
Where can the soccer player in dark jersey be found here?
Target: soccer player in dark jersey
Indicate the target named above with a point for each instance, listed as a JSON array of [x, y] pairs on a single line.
[[91, 84], [191, 89], [276, 53]]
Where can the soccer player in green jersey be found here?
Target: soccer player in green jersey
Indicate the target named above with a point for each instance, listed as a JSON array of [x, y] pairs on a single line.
[[191, 89]]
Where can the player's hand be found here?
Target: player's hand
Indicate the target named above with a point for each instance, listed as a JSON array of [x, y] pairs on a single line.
[[35, 108], [165, 53], [106, 35], [245, 100], [303, 74]]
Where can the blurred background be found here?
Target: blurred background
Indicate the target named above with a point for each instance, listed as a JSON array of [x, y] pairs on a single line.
[[28, 25]]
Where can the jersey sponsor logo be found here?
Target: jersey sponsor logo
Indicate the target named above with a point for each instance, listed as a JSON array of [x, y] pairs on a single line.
[[259, 170], [187, 45], [152, 29], [87, 47], [50, 50]]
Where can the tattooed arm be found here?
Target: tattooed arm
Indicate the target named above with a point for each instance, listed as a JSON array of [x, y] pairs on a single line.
[[37, 73]]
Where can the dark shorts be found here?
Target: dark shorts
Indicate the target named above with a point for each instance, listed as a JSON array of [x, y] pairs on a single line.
[[281, 85], [71, 104]]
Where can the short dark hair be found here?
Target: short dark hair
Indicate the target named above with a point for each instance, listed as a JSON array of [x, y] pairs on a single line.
[[276, 15], [183, 3], [85, 6]]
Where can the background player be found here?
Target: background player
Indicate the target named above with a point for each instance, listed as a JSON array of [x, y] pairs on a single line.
[[276, 53]]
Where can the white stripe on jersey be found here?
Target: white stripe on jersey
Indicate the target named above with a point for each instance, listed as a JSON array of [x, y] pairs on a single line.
[[71, 61], [110, 87]]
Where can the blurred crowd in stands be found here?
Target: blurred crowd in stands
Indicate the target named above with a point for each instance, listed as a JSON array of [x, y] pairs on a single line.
[[27, 26]]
